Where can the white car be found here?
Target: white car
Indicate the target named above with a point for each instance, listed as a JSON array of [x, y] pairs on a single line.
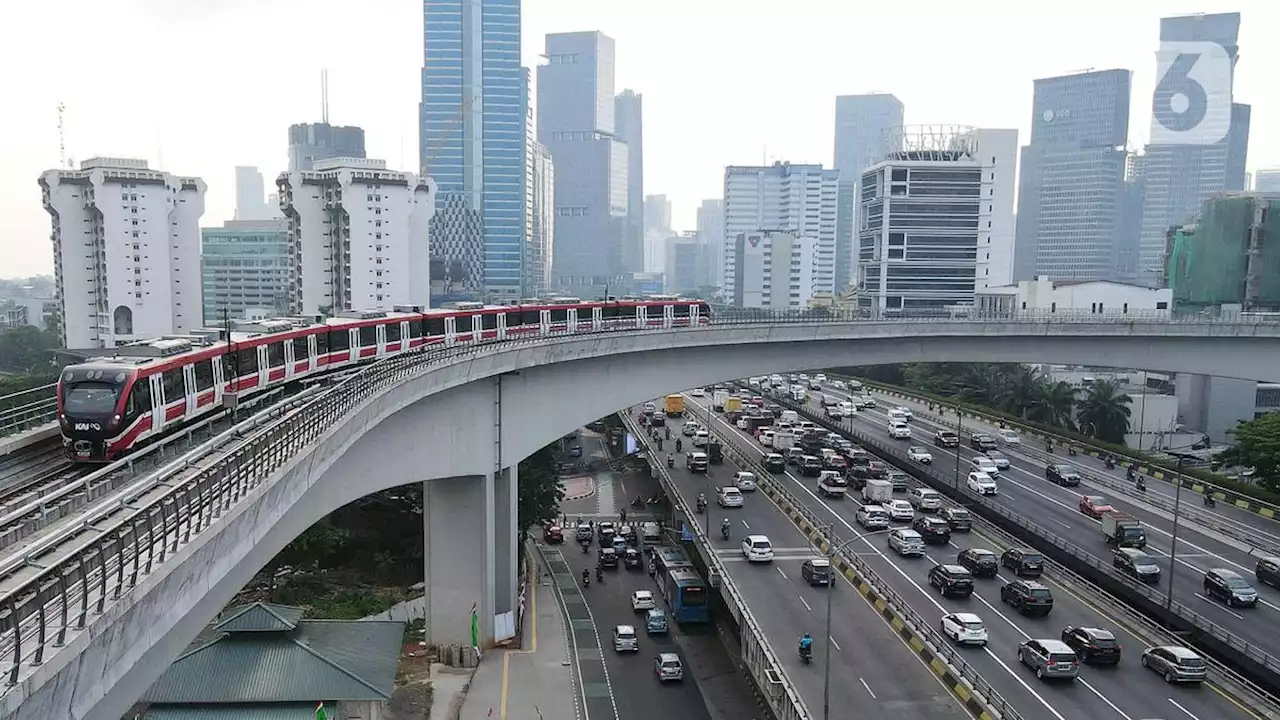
[[984, 464], [625, 639], [728, 497], [820, 377], [982, 483], [907, 543], [698, 392], [906, 412], [900, 510], [899, 431], [964, 628], [744, 481], [920, 455], [757, 548], [872, 517], [642, 600], [1008, 437]]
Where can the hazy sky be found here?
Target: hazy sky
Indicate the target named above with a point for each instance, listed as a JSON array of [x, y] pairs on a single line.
[[199, 86]]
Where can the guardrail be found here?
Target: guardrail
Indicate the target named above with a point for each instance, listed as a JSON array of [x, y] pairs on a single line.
[[870, 584], [28, 409], [1244, 658], [38, 610], [1237, 499], [757, 654]]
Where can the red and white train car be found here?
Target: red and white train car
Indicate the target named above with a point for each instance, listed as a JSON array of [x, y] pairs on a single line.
[[111, 404]]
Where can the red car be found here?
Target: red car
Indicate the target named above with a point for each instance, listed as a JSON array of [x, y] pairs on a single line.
[[553, 535], [1095, 506]]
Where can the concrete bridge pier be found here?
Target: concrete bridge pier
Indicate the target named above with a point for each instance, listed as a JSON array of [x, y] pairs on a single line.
[[470, 555]]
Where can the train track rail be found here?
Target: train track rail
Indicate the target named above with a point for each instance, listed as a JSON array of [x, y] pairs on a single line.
[[17, 467]]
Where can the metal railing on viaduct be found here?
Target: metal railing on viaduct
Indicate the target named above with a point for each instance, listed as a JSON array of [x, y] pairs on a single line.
[[60, 585]]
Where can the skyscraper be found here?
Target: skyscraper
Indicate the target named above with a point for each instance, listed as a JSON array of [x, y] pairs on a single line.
[[309, 142], [1267, 180], [251, 201], [657, 228], [1071, 191], [576, 123], [863, 124], [799, 199], [1178, 178], [472, 144], [711, 233], [628, 114]]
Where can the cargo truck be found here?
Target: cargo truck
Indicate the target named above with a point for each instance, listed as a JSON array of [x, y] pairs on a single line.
[[832, 484], [1123, 530], [877, 492], [783, 440], [733, 408], [674, 405], [718, 399]]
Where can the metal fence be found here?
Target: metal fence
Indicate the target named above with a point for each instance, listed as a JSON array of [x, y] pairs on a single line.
[[28, 409]]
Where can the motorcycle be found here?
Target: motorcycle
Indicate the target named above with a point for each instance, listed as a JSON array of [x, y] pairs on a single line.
[[724, 531], [1111, 463], [806, 654], [586, 579], [671, 461], [1071, 450], [600, 574], [1141, 484], [1048, 447], [702, 505], [1209, 501], [638, 502]]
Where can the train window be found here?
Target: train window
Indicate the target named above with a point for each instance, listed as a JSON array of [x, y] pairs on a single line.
[[461, 324], [300, 349], [531, 317], [680, 310], [393, 332], [368, 336], [246, 362], [559, 315], [339, 341], [174, 387], [204, 375], [704, 309], [275, 354], [489, 321], [435, 327], [513, 319], [415, 328], [139, 399], [322, 343], [611, 312]]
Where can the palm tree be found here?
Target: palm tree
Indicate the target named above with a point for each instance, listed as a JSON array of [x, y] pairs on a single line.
[[1018, 389], [1052, 404], [1105, 411]]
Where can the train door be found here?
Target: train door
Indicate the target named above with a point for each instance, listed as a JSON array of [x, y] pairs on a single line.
[[288, 359], [219, 377], [544, 323], [189, 383], [313, 353], [502, 326], [380, 340], [572, 325], [642, 316], [597, 318], [693, 315], [264, 366], [157, 402], [668, 315], [450, 331]]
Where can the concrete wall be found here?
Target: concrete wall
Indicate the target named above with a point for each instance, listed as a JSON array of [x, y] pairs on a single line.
[[440, 425]]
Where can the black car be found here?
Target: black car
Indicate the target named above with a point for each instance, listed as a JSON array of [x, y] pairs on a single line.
[[1023, 562], [958, 518], [608, 557], [980, 562], [1028, 596], [982, 442], [1267, 571], [582, 532], [631, 559], [816, 571], [946, 438], [1095, 646], [1229, 587], [1136, 564], [953, 580], [934, 530], [775, 463], [1062, 474]]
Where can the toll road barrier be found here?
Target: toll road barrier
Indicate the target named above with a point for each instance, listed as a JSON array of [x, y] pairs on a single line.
[[974, 693]]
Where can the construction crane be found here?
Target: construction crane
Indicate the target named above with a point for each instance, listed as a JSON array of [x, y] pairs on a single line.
[[435, 148]]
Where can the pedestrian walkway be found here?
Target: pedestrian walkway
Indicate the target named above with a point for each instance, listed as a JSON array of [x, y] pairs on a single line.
[[606, 503], [536, 682]]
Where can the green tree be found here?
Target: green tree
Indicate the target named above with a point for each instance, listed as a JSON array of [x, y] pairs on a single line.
[[1104, 412], [1257, 446], [540, 492], [1051, 404], [1017, 390], [27, 349]]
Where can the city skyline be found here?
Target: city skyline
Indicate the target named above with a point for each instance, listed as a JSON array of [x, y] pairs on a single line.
[[687, 166]]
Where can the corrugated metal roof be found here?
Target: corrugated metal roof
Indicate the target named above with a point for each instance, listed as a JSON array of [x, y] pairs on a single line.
[[321, 659], [259, 617], [235, 711]]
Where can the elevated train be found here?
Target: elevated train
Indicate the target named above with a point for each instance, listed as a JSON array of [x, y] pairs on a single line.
[[140, 391]]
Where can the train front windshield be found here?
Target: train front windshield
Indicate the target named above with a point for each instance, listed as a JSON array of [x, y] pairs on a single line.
[[90, 399]]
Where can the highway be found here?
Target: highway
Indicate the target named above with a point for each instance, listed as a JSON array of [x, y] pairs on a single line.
[[873, 673], [1127, 691], [1024, 490]]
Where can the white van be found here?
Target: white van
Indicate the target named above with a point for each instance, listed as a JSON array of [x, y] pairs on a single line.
[[897, 415], [790, 416]]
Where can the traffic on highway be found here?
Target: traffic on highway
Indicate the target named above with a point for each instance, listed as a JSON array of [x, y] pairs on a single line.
[[942, 573]]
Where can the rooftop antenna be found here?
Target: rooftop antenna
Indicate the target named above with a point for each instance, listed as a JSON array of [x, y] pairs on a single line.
[[324, 96], [62, 138]]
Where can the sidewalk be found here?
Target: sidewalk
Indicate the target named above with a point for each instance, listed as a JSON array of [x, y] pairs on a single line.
[[535, 683]]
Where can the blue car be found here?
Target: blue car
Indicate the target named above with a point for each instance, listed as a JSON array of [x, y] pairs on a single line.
[[655, 622]]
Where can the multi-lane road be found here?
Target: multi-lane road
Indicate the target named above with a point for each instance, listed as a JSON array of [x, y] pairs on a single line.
[[1127, 692], [1025, 491]]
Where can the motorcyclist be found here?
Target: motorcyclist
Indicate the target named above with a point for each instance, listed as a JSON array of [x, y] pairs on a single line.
[[1131, 474], [668, 433], [1048, 445], [679, 445], [806, 644], [586, 576], [724, 528], [622, 515], [600, 573], [1142, 483], [671, 460], [1111, 461], [1209, 501], [1071, 450]]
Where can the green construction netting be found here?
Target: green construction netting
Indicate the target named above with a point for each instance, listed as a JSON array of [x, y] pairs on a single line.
[[1209, 261]]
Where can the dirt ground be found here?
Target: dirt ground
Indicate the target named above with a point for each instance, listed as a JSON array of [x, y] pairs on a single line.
[[413, 693]]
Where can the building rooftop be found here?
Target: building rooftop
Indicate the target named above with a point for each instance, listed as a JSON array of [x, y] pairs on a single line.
[[1002, 289], [262, 653], [235, 711]]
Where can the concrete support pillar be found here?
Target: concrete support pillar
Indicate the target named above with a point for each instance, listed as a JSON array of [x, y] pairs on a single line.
[[459, 557], [506, 540]]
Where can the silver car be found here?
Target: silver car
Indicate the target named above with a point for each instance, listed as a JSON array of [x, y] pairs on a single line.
[[1049, 658], [667, 666], [625, 639], [1175, 663]]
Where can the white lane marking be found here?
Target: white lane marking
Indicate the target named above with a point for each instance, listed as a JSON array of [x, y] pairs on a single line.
[[873, 695], [1065, 525], [784, 575], [834, 644], [806, 605], [1219, 606], [1030, 690], [1188, 712]]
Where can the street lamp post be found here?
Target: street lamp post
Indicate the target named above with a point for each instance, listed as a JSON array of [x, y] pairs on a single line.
[[831, 586], [955, 480], [1173, 548]]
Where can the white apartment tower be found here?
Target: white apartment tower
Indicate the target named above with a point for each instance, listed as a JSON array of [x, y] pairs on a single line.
[[541, 219], [358, 236], [772, 269], [936, 218], [800, 199], [126, 251]]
